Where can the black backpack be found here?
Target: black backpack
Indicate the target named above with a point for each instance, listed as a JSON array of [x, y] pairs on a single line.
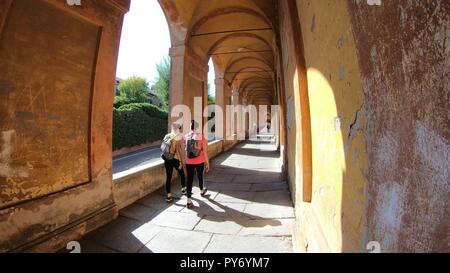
[[192, 146]]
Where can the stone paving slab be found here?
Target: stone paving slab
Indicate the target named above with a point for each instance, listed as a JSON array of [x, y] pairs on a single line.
[[229, 186], [138, 212], [178, 241], [284, 227], [248, 244], [220, 225], [118, 235], [269, 186], [235, 197], [176, 220], [269, 211], [158, 202], [282, 198], [231, 170], [146, 232], [223, 178], [212, 208], [258, 177]]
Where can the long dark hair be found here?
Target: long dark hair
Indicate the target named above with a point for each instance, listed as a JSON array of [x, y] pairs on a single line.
[[194, 125]]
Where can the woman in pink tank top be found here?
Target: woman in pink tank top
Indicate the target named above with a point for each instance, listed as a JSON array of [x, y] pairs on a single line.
[[196, 159]]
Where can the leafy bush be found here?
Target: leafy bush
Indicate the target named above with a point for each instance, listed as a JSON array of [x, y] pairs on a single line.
[[119, 101], [136, 124], [149, 109]]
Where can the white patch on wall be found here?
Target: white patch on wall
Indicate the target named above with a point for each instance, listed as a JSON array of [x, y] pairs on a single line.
[[290, 113], [387, 154], [341, 72], [434, 152], [5, 157], [429, 194], [337, 124], [73, 2], [374, 2], [390, 208]]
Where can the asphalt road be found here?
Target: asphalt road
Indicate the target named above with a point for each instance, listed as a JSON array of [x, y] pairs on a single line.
[[135, 159]]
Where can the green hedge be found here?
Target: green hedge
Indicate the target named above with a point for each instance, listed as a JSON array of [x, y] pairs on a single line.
[[149, 109], [138, 123]]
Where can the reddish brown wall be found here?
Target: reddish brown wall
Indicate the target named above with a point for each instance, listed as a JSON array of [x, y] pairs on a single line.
[[57, 67], [403, 50], [44, 118]]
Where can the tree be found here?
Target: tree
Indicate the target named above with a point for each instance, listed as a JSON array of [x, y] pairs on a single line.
[[211, 98], [133, 90], [162, 81]]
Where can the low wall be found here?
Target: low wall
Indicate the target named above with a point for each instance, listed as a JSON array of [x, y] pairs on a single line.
[[132, 185], [215, 148], [123, 151], [229, 144]]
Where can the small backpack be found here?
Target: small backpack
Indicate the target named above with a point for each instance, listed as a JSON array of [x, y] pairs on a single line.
[[166, 148], [192, 146]]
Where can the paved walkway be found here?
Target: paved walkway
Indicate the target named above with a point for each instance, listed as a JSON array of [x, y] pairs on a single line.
[[248, 210]]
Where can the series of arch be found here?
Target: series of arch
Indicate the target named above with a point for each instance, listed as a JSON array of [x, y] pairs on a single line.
[[238, 35]]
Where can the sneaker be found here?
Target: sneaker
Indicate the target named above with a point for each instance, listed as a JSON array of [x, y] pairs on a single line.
[[183, 191], [189, 205], [203, 193], [169, 199]]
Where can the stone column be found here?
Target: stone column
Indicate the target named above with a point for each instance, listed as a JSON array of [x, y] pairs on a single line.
[[235, 95], [176, 89], [227, 98], [221, 103]]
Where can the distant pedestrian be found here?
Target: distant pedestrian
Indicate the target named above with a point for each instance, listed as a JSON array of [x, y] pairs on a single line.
[[196, 158], [173, 159]]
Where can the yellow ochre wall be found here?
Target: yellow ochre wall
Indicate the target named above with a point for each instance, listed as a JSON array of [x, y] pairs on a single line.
[[333, 221]]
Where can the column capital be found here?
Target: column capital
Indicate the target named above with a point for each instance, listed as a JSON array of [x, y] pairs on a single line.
[[219, 81], [177, 51]]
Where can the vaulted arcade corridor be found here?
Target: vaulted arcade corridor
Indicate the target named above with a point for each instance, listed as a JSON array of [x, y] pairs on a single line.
[[357, 93]]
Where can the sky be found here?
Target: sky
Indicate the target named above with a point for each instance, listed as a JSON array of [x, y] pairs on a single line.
[[145, 41]]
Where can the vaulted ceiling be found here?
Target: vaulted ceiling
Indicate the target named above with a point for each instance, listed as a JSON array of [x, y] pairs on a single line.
[[239, 35]]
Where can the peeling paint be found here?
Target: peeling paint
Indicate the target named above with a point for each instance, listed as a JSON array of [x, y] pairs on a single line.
[[341, 72], [341, 41], [313, 24]]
